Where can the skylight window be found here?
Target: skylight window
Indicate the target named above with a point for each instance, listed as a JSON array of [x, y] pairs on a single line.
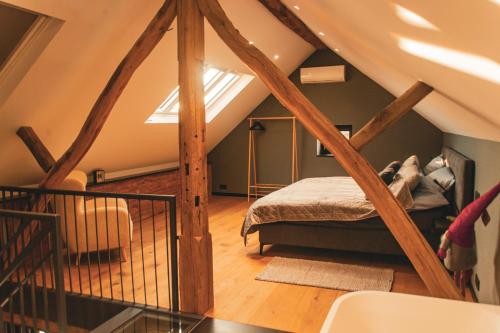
[[221, 86]]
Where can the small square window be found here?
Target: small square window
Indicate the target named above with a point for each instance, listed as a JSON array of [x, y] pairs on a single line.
[[221, 86]]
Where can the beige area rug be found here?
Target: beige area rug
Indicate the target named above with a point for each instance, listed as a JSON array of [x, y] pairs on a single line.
[[327, 275]]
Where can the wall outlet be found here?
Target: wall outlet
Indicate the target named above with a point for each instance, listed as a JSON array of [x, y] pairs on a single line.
[[222, 187], [477, 282]]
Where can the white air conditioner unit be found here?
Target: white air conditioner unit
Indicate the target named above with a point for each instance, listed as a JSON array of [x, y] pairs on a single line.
[[326, 74]]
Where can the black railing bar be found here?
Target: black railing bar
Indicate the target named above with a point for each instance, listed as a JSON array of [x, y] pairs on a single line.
[[23, 245], [11, 315], [59, 282], [77, 246], [21, 304], [173, 253], [46, 203], [154, 252], [50, 261], [107, 245], [97, 245], [142, 255], [44, 288], [21, 290], [167, 197], [131, 255], [119, 244], [168, 242], [67, 239], [87, 243], [17, 214], [34, 311]]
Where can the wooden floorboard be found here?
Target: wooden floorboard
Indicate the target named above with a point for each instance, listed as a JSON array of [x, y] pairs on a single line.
[[239, 297]]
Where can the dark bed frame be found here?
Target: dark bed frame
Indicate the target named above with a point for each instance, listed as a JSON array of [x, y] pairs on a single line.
[[371, 235]]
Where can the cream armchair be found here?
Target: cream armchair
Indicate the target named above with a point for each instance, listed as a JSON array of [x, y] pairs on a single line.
[[84, 224]]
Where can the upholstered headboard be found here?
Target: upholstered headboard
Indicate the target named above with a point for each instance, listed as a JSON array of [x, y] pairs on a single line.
[[464, 170]]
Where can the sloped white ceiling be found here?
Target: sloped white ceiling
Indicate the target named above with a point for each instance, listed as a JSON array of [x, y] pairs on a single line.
[[58, 92], [466, 75]]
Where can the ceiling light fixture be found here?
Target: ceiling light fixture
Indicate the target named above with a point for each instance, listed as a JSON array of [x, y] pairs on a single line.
[[296, 7], [336, 50], [250, 42], [276, 56], [321, 33]]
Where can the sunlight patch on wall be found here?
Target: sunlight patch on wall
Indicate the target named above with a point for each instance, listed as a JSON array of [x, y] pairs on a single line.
[[496, 2], [413, 18], [472, 64]]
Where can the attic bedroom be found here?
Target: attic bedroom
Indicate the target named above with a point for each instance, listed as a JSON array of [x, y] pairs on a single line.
[[249, 166]]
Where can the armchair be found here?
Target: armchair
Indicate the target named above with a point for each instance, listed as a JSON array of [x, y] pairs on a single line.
[[92, 225]]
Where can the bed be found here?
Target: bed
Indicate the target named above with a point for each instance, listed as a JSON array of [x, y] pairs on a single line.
[[301, 214]]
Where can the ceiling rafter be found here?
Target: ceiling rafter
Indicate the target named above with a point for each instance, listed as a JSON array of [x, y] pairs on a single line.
[[391, 114], [292, 22]]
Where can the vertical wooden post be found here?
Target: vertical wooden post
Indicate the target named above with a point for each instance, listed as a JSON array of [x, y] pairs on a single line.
[[195, 255]]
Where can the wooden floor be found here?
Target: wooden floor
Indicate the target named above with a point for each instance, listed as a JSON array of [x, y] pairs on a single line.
[[239, 297]]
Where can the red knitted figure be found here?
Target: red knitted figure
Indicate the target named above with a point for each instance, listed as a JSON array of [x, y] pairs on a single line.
[[457, 244]]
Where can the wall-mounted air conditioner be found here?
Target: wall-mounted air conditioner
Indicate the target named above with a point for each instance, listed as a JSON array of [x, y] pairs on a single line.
[[326, 74]]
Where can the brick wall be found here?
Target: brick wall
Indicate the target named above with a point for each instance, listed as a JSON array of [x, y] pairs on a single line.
[[164, 182]]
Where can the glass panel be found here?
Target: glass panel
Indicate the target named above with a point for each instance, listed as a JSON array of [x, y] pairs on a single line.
[[217, 86], [158, 323]]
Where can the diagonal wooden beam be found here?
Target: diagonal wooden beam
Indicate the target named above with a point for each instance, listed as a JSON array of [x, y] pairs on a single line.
[[37, 148], [114, 88], [195, 244], [290, 20], [410, 239], [391, 114]]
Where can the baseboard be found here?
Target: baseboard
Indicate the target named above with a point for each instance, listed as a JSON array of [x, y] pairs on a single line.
[[228, 194]]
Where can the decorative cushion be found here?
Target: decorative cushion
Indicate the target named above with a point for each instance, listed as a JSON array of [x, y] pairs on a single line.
[[387, 174], [402, 192], [409, 172], [412, 160], [444, 177], [437, 162]]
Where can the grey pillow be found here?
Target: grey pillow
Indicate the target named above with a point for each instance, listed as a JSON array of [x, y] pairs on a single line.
[[428, 184], [444, 177], [389, 171], [437, 162]]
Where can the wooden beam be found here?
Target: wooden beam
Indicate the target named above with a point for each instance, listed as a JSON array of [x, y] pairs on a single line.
[[108, 97], [195, 244], [292, 22], [423, 258], [391, 114], [37, 148]]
